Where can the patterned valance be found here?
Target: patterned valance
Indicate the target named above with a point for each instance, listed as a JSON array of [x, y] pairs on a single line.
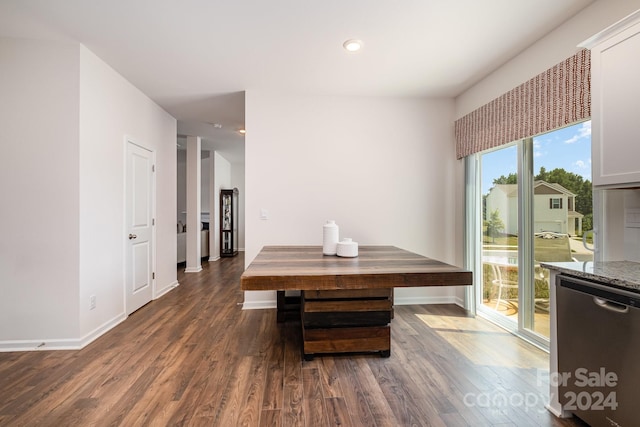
[[553, 99]]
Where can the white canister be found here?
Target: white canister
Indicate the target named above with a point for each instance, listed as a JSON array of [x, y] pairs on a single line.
[[347, 248], [329, 238]]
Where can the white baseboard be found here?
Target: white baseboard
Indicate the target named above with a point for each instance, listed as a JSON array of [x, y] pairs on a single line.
[[35, 345], [101, 330], [62, 344], [197, 269], [259, 305], [166, 289], [459, 302], [424, 300]]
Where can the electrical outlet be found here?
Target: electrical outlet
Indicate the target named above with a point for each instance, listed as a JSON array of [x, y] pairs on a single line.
[[92, 302]]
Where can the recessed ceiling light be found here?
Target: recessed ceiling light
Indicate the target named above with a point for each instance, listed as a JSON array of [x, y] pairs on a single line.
[[352, 45]]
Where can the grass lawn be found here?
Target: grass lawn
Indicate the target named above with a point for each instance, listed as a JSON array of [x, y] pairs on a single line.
[[505, 240]]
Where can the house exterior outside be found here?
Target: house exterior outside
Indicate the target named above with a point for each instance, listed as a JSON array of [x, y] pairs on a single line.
[[554, 208]]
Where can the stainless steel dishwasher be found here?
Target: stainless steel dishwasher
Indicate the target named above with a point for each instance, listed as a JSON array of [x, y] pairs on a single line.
[[598, 352]]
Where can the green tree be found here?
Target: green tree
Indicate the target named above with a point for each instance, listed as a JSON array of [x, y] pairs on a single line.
[[587, 222], [494, 225], [543, 175], [512, 178], [584, 199]]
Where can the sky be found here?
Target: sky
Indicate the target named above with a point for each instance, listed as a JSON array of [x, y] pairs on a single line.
[[568, 148]]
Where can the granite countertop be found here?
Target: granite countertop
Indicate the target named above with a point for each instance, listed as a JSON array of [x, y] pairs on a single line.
[[621, 274]]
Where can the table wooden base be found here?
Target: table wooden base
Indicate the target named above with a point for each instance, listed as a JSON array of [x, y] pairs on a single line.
[[346, 340], [288, 306], [346, 321]]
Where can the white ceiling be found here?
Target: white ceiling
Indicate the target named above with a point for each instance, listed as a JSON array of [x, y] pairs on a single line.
[[196, 57]]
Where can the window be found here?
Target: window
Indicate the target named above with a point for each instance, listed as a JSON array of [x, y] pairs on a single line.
[[500, 231], [517, 221]]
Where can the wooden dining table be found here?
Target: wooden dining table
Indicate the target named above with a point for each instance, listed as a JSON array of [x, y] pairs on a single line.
[[345, 303]]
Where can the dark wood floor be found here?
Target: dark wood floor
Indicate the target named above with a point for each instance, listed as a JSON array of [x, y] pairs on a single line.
[[194, 357]]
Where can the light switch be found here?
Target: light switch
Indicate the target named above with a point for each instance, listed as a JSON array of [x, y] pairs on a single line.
[[264, 214]]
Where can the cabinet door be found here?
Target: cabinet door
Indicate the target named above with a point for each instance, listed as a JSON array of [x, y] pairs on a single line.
[[616, 109]]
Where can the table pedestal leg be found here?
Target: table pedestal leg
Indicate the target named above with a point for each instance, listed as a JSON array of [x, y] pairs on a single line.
[[346, 321], [288, 306]]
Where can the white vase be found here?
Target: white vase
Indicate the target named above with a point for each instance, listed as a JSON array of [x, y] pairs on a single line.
[[329, 238], [347, 248]]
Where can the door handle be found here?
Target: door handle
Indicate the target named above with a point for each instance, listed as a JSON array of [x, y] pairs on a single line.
[[610, 305], [593, 238], [132, 236]]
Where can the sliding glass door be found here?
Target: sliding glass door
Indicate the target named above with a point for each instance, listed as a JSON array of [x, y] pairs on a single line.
[[499, 240], [563, 207], [535, 204]]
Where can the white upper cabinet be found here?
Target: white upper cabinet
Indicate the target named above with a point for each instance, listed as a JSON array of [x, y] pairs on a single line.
[[615, 103]]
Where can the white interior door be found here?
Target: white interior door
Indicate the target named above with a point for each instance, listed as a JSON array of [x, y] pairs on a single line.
[[139, 227]]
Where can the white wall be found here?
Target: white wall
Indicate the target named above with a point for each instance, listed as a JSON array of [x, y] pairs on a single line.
[[616, 241], [631, 239], [63, 117], [110, 108], [205, 181], [383, 168], [39, 247], [182, 183], [222, 179], [237, 181], [181, 179], [547, 52]]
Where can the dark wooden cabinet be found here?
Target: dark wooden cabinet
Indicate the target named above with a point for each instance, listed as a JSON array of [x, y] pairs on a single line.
[[228, 222]]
